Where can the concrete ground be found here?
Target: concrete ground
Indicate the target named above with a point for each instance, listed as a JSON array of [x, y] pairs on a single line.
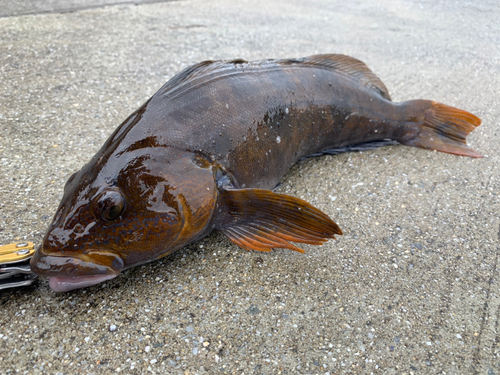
[[412, 286]]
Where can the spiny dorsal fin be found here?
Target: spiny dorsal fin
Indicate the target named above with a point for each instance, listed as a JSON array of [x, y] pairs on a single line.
[[257, 219], [342, 64], [198, 70], [348, 66]]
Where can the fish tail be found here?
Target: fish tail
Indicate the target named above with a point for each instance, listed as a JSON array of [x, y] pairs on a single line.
[[438, 127]]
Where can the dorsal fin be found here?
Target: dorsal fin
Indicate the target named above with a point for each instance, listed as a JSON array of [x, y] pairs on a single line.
[[345, 65], [198, 70]]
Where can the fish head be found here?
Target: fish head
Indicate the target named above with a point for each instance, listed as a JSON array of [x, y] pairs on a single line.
[[124, 210]]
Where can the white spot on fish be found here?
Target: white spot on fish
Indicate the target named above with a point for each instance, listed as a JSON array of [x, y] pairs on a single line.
[[286, 110], [227, 106], [278, 139]]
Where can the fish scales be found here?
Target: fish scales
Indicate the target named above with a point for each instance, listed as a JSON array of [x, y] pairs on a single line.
[[203, 153], [234, 118]]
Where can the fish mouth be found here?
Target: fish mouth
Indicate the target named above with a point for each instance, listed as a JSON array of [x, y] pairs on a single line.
[[65, 284], [67, 272]]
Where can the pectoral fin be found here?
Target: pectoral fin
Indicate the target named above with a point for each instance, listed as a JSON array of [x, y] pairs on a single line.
[[257, 219]]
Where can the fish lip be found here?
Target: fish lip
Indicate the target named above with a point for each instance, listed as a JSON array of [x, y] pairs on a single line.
[[65, 284], [69, 265]]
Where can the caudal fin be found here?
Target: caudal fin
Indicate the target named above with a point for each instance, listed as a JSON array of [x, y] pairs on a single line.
[[444, 128]]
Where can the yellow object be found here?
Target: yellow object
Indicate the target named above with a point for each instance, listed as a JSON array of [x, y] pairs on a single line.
[[15, 252]]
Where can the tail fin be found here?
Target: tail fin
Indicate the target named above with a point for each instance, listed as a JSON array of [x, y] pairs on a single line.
[[443, 129]]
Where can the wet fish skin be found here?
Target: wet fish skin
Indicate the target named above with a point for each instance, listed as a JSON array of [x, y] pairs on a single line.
[[156, 214], [204, 151]]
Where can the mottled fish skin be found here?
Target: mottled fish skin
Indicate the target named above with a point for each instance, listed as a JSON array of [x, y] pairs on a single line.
[[204, 151], [257, 119]]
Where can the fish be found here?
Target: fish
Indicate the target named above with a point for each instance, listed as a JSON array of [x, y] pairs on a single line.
[[205, 152]]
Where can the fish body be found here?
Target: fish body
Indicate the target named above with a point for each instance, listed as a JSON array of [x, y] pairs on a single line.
[[205, 150]]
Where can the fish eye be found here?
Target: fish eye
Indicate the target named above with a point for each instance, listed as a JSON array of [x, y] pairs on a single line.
[[109, 205]]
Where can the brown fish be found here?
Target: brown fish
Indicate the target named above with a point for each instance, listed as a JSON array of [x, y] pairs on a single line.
[[205, 150]]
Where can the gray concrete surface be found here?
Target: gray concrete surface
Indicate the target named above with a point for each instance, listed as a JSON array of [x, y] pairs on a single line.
[[16, 8], [412, 286]]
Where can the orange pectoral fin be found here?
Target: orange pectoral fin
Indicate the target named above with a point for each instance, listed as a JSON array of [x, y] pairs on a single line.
[[257, 219], [256, 239]]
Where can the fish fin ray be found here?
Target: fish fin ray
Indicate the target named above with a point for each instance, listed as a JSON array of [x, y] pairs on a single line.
[[260, 240], [444, 128], [195, 71], [262, 220], [358, 147], [290, 235], [347, 66], [242, 241]]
